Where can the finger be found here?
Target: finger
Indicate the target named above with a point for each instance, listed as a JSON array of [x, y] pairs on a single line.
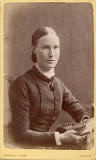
[[77, 137], [73, 131], [76, 132], [81, 140], [84, 138]]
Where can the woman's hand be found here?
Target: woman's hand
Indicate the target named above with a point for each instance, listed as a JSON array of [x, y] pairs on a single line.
[[72, 137]]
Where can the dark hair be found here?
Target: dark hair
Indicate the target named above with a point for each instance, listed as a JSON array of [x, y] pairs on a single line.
[[38, 33], [34, 58]]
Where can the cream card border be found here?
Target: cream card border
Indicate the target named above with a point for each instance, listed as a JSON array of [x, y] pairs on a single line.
[[33, 154]]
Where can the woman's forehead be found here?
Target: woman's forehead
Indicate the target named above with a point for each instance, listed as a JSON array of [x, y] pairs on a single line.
[[49, 39], [42, 32]]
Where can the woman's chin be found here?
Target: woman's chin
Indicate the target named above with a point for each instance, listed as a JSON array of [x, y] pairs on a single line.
[[50, 66]]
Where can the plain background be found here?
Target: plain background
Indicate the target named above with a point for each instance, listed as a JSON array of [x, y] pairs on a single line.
[[74, 24]]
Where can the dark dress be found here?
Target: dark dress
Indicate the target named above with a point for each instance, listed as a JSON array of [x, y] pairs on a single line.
[[36, 102]]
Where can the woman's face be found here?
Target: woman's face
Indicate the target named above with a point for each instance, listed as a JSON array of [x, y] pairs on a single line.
[[47, 51]]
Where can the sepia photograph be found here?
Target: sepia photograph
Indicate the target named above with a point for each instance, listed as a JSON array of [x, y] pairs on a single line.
[[48, 53], [48, 75]]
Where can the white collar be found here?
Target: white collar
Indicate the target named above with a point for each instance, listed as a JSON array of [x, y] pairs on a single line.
[[49, 74]]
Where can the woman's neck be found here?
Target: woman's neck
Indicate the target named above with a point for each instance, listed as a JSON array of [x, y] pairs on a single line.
[[50, 73]]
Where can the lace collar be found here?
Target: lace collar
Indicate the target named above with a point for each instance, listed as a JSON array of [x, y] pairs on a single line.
[[42, 76]]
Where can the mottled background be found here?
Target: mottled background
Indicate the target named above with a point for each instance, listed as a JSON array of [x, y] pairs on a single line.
[[74, 25]]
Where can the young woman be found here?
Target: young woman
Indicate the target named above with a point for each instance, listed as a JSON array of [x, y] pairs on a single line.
[[37, 97]]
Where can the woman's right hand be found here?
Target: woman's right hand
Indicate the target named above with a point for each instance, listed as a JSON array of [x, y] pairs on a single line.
[[72, 137]]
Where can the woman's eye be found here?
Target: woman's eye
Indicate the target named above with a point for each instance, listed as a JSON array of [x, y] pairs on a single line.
[[45, 47], [55, 47]]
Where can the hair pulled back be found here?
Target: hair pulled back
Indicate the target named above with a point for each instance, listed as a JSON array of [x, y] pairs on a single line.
[[38, 33]]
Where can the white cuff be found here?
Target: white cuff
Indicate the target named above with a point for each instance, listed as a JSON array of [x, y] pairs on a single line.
[[57, 138]]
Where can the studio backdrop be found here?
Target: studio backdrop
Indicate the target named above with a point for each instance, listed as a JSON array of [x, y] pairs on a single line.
[[73, 23]]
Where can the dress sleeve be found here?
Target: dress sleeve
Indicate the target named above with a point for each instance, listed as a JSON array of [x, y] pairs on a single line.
[[20, 108], [72, 106]]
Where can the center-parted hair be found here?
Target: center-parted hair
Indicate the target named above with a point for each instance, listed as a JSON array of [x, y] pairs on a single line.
[[38, 33]]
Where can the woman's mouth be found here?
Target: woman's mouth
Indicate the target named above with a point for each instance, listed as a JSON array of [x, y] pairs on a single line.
[[50, 60]]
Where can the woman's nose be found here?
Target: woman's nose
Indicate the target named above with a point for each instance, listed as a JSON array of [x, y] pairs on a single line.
[[51, 53]]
